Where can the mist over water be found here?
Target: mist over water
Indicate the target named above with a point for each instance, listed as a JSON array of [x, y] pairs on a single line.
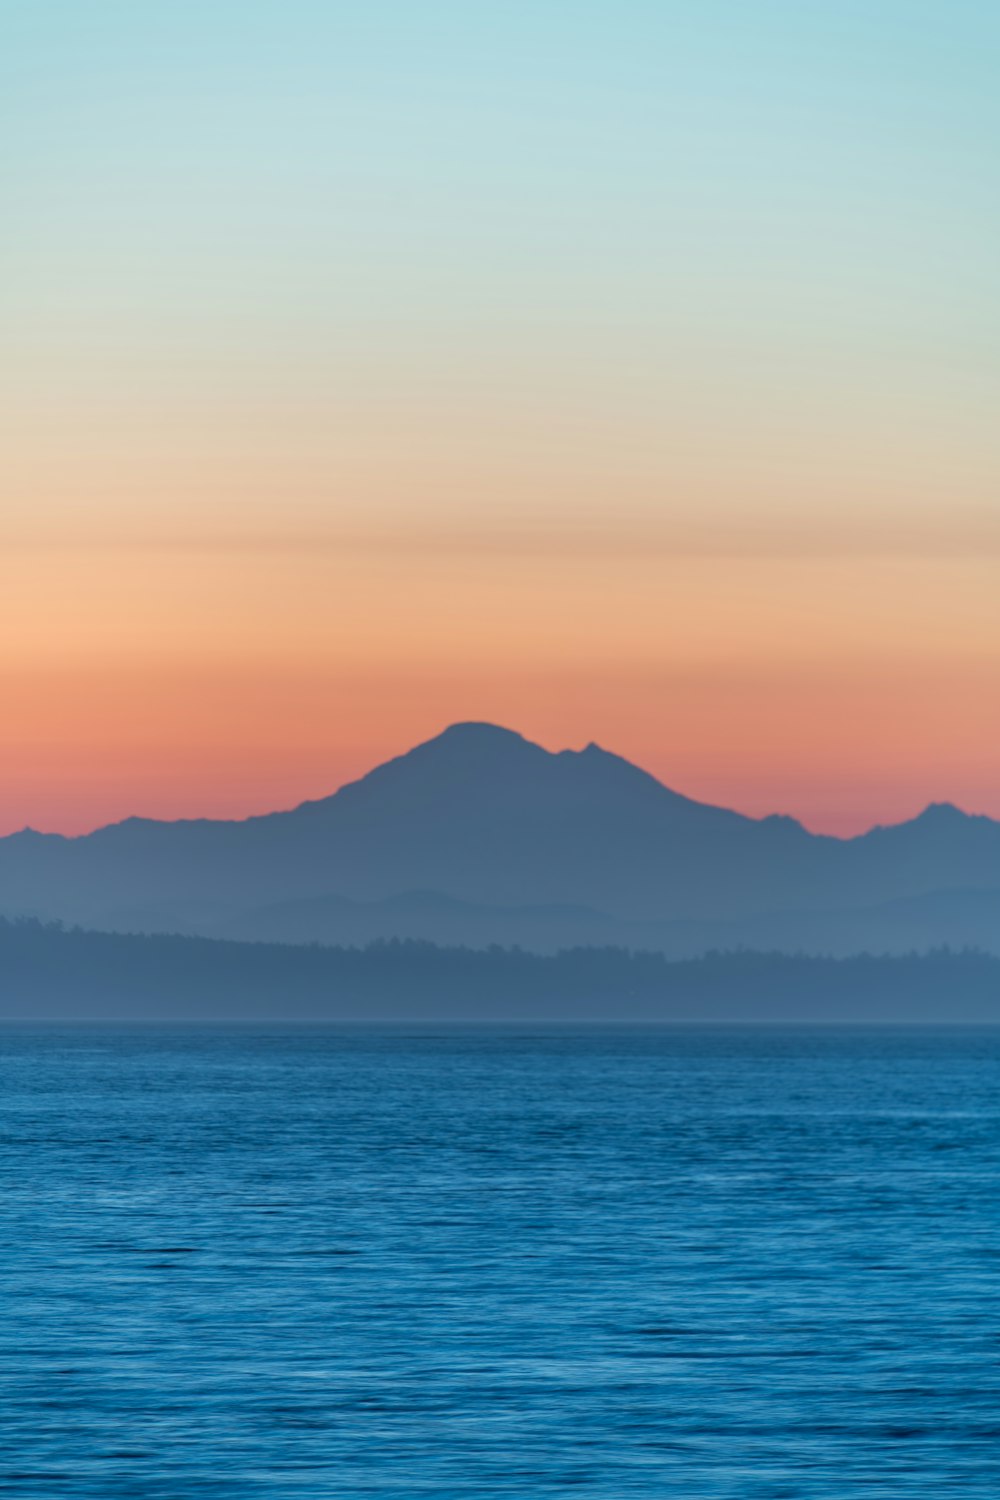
[[456, 1262]]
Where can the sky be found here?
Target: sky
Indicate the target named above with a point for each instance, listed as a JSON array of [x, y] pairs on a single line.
[[620, 372]]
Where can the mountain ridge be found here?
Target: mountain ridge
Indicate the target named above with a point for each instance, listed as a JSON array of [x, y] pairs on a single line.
[[932, 810], [481, 814]]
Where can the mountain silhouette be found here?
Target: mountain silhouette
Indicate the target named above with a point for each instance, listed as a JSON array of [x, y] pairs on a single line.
[[492, 833]]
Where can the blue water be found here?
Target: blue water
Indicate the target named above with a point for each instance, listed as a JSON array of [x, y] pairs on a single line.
[[500, 1262]]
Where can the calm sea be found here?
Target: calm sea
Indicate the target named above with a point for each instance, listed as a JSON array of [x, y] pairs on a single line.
[[757, 1263]]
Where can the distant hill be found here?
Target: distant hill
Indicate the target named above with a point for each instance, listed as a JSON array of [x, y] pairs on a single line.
[[51, 974], [956, 919], [480, 836]]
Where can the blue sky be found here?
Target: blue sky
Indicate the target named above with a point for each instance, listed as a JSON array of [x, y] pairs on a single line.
[[677, 318]]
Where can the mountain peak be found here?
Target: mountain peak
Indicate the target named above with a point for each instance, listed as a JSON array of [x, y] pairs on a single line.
[[939, 821], [941, 812], [471, 743], [476, 733]]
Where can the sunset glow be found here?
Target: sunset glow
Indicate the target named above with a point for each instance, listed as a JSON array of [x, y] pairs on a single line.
[[371, 370]]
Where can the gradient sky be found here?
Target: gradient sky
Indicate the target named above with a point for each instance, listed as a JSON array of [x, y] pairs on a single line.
[[621, 371]]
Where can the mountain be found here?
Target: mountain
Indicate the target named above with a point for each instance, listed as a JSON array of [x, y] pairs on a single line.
[[480, 835], [953, 919]]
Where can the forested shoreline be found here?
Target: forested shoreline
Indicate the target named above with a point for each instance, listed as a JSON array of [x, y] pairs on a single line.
[[51, 972]]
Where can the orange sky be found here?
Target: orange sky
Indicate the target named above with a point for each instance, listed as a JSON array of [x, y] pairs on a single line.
[[370, 368], [182, 680]]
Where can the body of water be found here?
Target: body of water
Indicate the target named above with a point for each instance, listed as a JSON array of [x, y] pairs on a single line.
[[443, 1262]]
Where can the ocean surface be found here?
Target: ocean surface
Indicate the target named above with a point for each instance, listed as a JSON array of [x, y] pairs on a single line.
[[443, 1262]]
